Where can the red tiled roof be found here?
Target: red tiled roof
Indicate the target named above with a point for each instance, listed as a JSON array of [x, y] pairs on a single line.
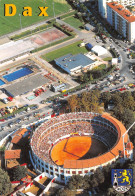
[[12, 154], [18, 135], [126, 14], [16, 139], [20, 132]]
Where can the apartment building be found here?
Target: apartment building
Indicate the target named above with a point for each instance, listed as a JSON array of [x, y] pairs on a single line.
[[102, 7], [122, 20]]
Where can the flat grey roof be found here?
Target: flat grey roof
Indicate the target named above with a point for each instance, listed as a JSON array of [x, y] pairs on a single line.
[[72, 61], [26, 85]]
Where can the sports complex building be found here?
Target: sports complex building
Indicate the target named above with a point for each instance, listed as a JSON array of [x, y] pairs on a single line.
[[78, 143], [74, 63]]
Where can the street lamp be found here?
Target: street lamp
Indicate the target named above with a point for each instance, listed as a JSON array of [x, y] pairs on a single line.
[[53, 10], [20, 21]]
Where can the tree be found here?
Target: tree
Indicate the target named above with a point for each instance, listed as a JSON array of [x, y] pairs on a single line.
[[73, 102], [91, 77], [117, 99], [85, 78], [75, 182], [5, 184], [128, 101], [18, 173], [111, 192], [66, 192], [106, 97], [127, 117]]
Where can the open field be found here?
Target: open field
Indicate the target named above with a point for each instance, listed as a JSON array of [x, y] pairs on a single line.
[[72, 148], [11, 23], [72, 48], [73, 22]]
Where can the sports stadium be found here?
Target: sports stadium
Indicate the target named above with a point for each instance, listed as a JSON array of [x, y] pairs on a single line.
[[77, 143]]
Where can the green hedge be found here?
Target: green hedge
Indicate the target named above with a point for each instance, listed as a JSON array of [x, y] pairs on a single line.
[[30, 32]]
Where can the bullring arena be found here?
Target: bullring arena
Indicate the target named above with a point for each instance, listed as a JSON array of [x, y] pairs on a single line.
[[76, 143]]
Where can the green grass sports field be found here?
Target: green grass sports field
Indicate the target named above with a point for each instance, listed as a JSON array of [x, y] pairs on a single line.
[[72, 48], [11, 23], [73, 22]]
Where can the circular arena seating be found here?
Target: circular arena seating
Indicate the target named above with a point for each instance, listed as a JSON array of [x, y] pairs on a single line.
[[83, 123], [104, 128]]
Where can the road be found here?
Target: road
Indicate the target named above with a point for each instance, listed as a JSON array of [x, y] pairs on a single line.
[[7, 129]]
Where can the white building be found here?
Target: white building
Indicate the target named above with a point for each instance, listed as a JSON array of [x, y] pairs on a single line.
[[122, 20], [99, 50], [102, 7]]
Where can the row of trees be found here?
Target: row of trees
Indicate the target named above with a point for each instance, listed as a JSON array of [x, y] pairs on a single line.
[[84, 14], [93, 74], [100, 181], [87, 101], [124, 107]]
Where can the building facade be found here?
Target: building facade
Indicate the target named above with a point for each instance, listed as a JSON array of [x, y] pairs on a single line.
[[102, 5], [122, 20]]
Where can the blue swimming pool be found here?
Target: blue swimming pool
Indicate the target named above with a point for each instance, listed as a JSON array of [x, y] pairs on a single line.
[[1, 82], [17, 74]]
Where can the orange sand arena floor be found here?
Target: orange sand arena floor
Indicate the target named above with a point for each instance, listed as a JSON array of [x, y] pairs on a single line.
[[72, 148]]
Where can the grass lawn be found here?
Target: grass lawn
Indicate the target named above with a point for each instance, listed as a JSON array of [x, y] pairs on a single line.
[[11, 23], [73, 22], [107, 59], [73, 49]]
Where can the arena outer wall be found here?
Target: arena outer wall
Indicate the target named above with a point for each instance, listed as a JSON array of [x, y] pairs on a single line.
[[82, 167]]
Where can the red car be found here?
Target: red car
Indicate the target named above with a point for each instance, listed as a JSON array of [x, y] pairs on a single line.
[[122, 89], [2, 120]]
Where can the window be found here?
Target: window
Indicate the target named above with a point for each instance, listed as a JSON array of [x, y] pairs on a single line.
[[68, 172], [86, 171], [61, 171], [73, 172], [51, 173], [56, 169], [62, 177], [80, 172]]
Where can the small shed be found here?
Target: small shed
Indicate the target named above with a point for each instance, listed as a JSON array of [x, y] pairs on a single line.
[[89, 46], [99, 50]]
